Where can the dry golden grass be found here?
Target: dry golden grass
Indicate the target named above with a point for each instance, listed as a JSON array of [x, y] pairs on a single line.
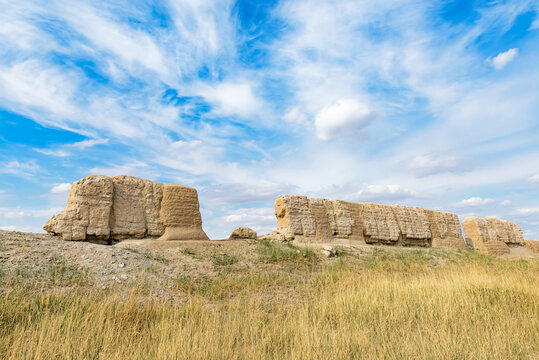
[[418, 304]]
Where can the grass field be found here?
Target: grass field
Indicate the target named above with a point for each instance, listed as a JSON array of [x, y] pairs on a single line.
[[413, 304]]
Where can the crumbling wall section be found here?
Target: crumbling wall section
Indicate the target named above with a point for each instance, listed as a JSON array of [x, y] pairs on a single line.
[[380, 224], [321, 220], [87, 212], [180, 214], [489, 236], [99, 207], [445, 230], [414, 225], [294, 216]]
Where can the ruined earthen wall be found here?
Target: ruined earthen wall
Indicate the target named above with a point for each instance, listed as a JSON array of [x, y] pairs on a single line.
[[445, 230], [508, 232], [533, 245], [321, 212], [125, 207], [153, 196], [180, 214], [350, 220], [87, 212], [315, 220], [414, 225], [380, 224], [128, 208], [490, 236], [294, 216], [328, 220]]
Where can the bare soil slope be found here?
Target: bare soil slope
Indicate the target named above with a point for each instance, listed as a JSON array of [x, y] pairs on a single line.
[[49, 262]]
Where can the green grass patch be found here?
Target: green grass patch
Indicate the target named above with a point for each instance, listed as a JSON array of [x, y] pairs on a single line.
[[270, 252]]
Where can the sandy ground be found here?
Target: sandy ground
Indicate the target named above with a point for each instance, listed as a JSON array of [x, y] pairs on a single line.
[[39, 257], [34, 254]]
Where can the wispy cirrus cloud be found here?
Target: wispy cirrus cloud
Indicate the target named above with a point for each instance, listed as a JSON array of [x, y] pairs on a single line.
[[431, 164], [67, 150], [22, 169]]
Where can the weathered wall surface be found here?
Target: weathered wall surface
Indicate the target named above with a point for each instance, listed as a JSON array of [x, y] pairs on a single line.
[[492, 236], [294, 216], [414, 225], [88, 210], [127, 207], [180, 214], [380, 224], [321, 220], [445, 230]]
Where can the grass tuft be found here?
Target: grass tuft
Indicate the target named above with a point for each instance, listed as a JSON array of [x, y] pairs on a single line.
[[224, 259], [272, 252]]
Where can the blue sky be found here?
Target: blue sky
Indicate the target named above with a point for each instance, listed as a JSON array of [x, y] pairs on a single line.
[[424, 103]]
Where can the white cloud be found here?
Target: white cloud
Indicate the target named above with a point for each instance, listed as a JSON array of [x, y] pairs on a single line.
[[262, 220], [383, 193], [503, 58], [8, 228], [129, 45], [528, 211], [232, 98], [241, 193], [34, 84], [66, 150], [431, 164], [251, 215], [534, 179], [81, 145], [535, 24], [205, 159], [50, 152], [58, 194], [295, 117], [505, 203], [219, 226], [475, 201], [327, 53], [139, 169], [18, 213], [346, 117], [204, 31], [23, 169], [61, 188]]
